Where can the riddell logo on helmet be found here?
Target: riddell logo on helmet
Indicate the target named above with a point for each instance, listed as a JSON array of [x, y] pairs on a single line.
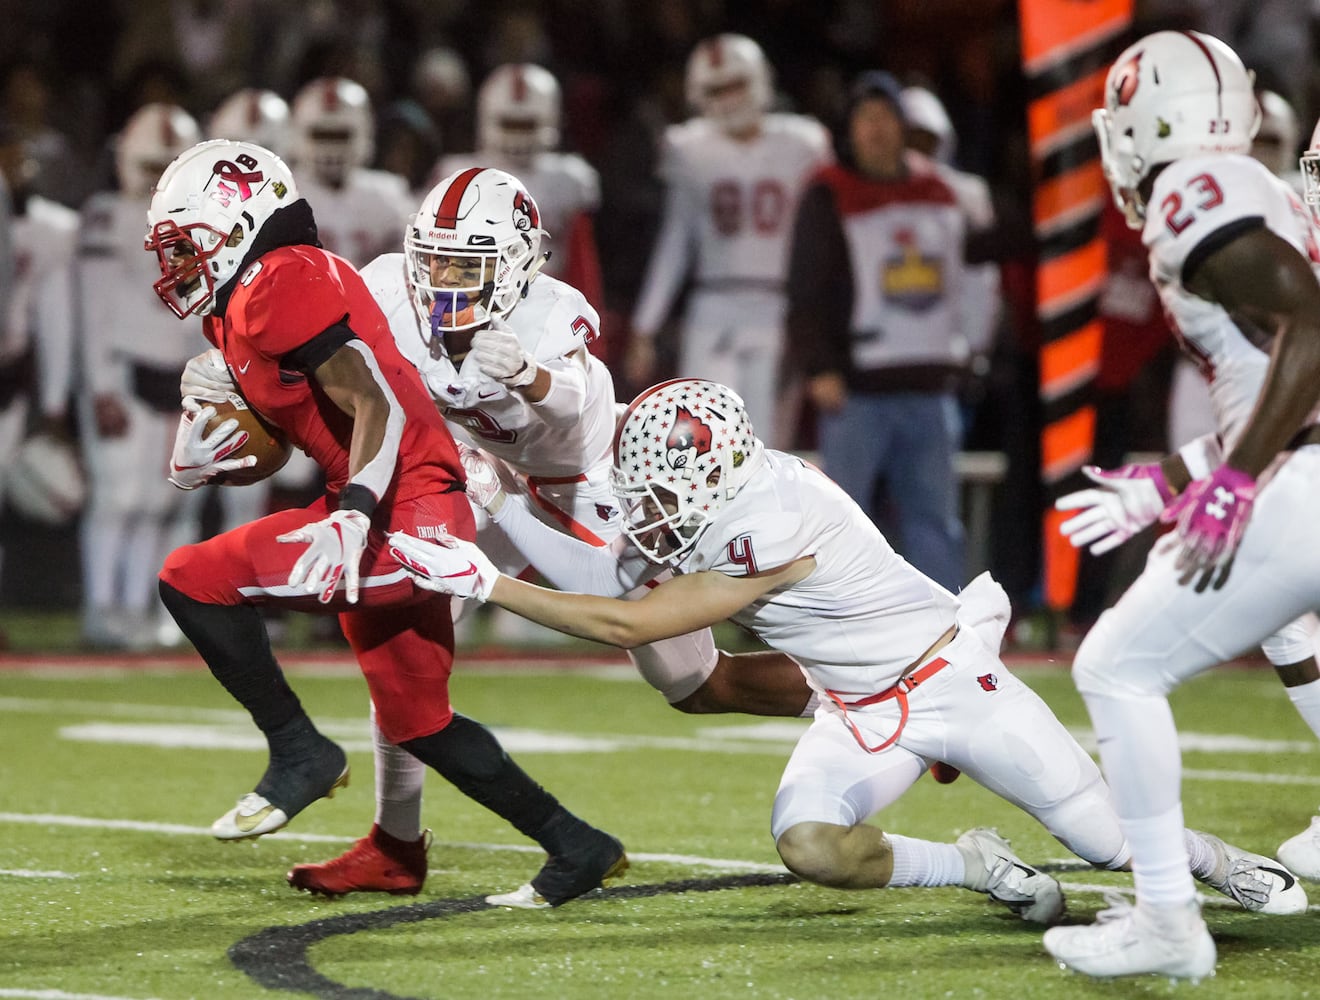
[[688, 440], [234, 180], [1126, 80]]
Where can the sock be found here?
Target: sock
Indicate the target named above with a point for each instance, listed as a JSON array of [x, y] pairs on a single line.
[[1306, 699], [468, 755], [925, 862], [1204, 858], [1160, 865], [399, 780], [232, 639]]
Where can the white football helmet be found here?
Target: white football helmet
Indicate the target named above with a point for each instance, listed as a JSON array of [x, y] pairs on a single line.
[[923, 110], [254, 115], [333, 129], [46, 482], [518, 111], [682, 450], [480, 223], [1172, 94], [728, 81], [152, 137], [207, 207], [1276, 139]]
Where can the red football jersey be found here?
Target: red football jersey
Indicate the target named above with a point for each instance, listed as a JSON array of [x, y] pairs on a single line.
[[281, 302]]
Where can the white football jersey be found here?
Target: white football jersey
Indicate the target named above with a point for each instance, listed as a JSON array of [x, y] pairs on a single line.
[[730, 207], [1195, 204], [366, 217], [554, 322], [563, 185], [863, 615], [123, 320]]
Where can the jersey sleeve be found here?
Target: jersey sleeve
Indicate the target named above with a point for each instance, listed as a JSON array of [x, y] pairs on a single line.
[[1199, 205], [571, 323], [755, 543], [289, 306]]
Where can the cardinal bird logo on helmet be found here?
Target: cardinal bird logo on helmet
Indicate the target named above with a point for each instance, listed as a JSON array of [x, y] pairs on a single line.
[[525, 215], [688, 440], [1126, 80]]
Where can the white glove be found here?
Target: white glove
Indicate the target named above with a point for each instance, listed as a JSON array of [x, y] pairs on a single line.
[[199, 457], [207, 377], [334, 549], [1129, 499], [483, 480], [448, 565], [501, 357]]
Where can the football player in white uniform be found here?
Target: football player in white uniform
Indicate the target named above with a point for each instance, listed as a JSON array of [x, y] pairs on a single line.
[[359, 211], [733, 177], [907, 673], [519, 116], [503, 350], [1233, 255], [132, 356], [38, 323], [1191, 414]]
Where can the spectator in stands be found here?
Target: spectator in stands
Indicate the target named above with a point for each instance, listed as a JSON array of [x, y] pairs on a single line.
[[876, 286]]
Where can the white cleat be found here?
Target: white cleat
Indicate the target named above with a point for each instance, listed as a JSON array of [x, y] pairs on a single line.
[[522, 898], [1131, 940], [993, 868], [254, 816], [1302, 852], [1258, 883]]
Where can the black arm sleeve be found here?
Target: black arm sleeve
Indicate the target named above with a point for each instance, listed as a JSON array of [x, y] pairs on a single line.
[[820, 290], [317, 351]]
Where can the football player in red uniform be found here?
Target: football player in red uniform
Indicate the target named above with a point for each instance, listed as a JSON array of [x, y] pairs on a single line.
[[307, 346]]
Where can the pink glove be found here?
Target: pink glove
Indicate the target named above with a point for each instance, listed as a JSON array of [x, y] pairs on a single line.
[[1212, 514]]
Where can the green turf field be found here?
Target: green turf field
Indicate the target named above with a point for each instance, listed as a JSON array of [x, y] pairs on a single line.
[[113, 888]]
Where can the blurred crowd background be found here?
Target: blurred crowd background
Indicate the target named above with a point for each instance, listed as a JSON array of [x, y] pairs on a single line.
[[72, 74]]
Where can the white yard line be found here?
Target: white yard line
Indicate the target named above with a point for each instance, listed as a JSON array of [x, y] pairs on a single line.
[[173, 829], [57, 995]]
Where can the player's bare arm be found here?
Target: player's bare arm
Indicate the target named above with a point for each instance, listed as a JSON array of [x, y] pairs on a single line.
[[1262, 278], [679, 605], [350, 384]]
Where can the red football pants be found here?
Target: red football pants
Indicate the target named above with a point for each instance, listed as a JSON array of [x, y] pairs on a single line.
[[402, 636]]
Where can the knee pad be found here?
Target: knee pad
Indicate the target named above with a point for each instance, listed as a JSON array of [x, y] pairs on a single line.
[[1086, 824]]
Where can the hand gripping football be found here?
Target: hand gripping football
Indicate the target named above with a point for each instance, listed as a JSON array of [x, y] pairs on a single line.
[[265, 441]]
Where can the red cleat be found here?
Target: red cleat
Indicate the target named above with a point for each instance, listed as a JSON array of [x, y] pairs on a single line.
[[376, 863], [945, 774]]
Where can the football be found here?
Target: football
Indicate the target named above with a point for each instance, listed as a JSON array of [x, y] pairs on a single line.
[[267, 443]]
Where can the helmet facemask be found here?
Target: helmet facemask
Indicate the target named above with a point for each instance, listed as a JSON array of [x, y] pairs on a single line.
[[187, 260]]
